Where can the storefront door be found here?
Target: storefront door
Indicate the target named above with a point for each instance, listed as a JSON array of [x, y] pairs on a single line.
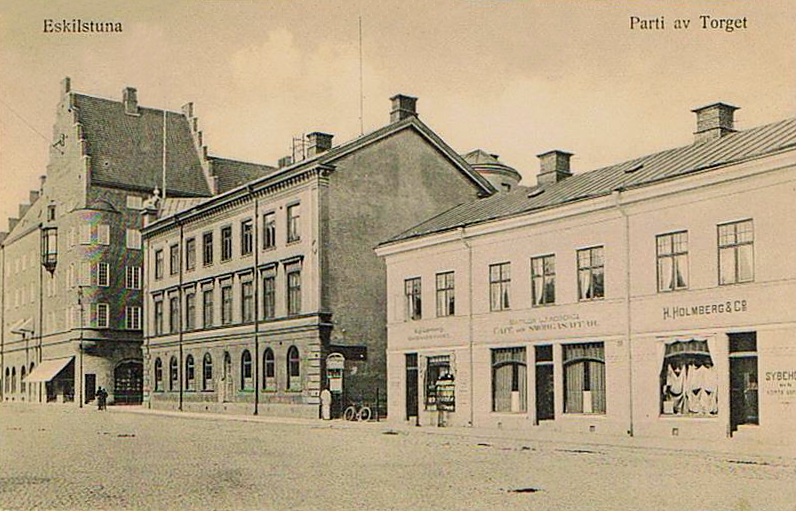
[[743, 391], [128, 382], [411, 385], [544, 383]]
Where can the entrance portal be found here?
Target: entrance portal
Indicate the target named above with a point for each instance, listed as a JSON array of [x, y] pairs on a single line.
[[743, 380], [128, 383], [411, 385], [544, 383]]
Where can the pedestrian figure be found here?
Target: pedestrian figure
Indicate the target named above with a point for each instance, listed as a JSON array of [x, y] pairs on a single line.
[[102, 397]]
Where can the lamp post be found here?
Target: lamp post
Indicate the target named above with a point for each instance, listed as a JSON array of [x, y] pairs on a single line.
[[80, 344]]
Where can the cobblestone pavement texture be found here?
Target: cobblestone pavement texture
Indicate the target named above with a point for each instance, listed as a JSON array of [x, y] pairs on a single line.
[[53, 457]]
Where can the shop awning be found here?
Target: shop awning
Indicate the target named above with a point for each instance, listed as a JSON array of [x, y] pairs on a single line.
[[48, 370]]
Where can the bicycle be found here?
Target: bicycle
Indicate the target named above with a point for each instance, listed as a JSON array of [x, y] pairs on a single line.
[[354, 413]]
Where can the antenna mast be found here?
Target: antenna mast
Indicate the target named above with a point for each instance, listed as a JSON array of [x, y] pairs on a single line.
[[361, 89], [163, 192]]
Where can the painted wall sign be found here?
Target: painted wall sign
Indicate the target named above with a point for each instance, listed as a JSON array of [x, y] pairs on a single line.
[[727, 307], [426, 334], [555, 322], [781, 384]]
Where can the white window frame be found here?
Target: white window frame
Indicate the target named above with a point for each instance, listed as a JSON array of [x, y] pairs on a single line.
[[132, 317], [102, 319], [133, 239], [135, 202], [107, 273], [133, 277]]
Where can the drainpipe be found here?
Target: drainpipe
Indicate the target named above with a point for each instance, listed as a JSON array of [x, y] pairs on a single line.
[[617, 193], [255, 286], [181, 371], [469, 320], [41, 326], [3, 323], [145, 311]]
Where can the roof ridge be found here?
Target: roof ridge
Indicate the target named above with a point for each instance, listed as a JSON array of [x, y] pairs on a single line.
[[120, 102]]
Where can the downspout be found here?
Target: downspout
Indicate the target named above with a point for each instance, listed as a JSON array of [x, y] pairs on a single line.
[[617, 193], [41, 327], [180, 265], [470, 320], [255, 285], [145, 311], [3, 322]]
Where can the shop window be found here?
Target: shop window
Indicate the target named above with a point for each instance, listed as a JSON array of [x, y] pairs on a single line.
[[509, 380], [414, 300], [591, 273], [543, 280], [226, 243], [584, 378], [246, 378], [269, 370], [499, 286], [440, 393], [293, 369], [207, 372], [190, 376], [446, 298], [672, 250], [158, 375], [736, 252], [174, 379], [246, 237], [689, 380]]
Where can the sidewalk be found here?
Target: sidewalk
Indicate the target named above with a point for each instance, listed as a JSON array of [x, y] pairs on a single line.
[[736, 450]]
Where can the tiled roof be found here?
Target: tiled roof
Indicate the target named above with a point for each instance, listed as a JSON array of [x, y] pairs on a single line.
[[233, 173], [641, 171], [128, 149]]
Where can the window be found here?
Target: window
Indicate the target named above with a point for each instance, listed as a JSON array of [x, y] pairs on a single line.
[[85, 234], [158, 375], [439, 384], [174, 314], [688, 380], [293, 223], [159, 264], [247, 301], [584, 378], [190, 310], [207, 248], [269, 230], [246, 378], [293, 369], [101, 315], [269, 297], [207, 372], [736, 252], [104, 234], [413, 299], [174, 378], [207, 308], [133, 277], [50, 212], [226, 243], [446, 300], [133, 239], [591, 273], [190, 376], [132, 318], [190, 254], [158, 326], [246, 237], [509, 380], [103, 274], [499, 286], [174, 259], [294, 291], [226, 303], [543, 280], [85, 274], [672, 251], [134, 202], [269, 370]]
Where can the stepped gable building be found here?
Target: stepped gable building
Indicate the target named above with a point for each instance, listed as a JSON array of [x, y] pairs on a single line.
[[263, 296], [72, 262], [653, 297]]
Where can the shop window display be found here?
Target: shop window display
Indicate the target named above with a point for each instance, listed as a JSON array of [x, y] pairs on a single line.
[[689, 380]]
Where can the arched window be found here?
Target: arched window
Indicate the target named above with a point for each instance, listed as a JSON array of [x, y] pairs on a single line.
[[509, 380], [22, 379], [246, 370], [584, 378], [7, 380], [269, 370], [190, 376], [207, 372], [158, 375], [173, 374], [13, 379], [293, 369]]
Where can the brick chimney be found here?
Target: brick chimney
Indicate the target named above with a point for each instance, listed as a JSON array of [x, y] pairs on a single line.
[[318, 143], [403, 107], [714, 121], [285, 161], [130, 100], [66, 86], [553, 167]]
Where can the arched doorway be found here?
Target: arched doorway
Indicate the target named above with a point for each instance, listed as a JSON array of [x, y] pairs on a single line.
[[226, 379], [129, 383]]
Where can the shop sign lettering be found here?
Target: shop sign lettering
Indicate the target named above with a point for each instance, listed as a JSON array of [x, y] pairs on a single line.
[[427, 334], [781, 383], [547, 323], [728, 307]]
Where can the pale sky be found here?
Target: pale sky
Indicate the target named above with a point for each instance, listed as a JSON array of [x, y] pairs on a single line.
[[515, 78]]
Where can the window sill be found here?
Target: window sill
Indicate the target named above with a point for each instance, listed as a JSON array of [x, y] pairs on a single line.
[[589, 300], [697, 417], [293, 242], [269, 249], [584, 415], [543, 305]]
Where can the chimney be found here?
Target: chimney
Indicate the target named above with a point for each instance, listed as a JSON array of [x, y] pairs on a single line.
[[66, 86], [34, 196], [403, 107], [285, 161], [318, 143], [714, 121], [42, 180], [130, 100], [553, 167]]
